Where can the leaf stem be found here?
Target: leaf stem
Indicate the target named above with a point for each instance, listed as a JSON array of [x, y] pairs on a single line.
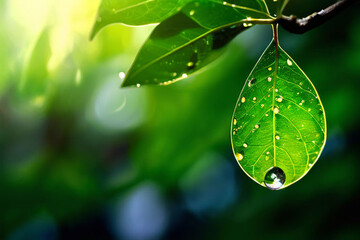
[[301, 25]]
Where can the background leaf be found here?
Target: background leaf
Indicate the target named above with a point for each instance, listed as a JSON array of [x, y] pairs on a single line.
[[141, 12], [183, 43], [135, 12], [279, 120]]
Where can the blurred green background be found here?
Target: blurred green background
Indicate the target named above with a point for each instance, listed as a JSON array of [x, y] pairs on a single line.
[[81, 158]]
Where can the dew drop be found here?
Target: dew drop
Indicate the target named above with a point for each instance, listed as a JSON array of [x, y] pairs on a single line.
[[174, 74], [276, 90], [121, 75], [245, 145], [190, 64], [276, 110], [243, 99], [138, 85], [269, 79], [289, 62], [252, 82], [234, 132], [279, 99], [277, 137], [235, 121], [247, 24], [257, 126], [267, 153], [262, 105], [254, 98], [239, 156], [192, 12], [269, 68], [275, 178], [184, 75]]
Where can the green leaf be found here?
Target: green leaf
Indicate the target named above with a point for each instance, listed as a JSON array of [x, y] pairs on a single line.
[[142, 12], [135, 12], [185, 42], [34, 82], [278, 127]]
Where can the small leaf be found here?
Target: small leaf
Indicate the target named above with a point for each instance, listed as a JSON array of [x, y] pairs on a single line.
[[185, 42], [34, 82], [135, 12], [278, 127]]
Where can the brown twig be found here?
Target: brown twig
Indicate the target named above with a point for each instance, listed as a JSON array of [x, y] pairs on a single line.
[[301, 25]]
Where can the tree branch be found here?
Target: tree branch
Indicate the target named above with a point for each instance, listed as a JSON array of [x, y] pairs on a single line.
[[295, 25]]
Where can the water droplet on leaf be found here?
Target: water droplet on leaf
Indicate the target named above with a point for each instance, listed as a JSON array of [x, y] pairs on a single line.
[[276, 110], [252, 82], [239, 156]]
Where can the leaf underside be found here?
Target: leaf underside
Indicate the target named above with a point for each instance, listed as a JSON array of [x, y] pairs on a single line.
[[279, 120]]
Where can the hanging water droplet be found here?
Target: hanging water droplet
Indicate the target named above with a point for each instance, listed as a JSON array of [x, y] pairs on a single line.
[[275, 178], [243, 99], [239, 156], [245, 145], [252, 82], [247, 24]]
